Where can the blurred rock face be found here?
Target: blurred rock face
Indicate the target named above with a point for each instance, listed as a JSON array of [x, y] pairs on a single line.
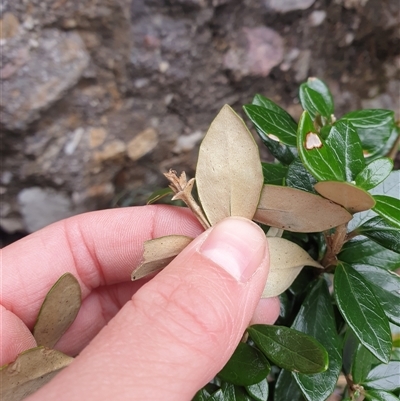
[[99, 97]]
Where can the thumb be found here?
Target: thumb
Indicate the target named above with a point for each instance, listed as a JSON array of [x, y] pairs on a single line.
[[180, 328]]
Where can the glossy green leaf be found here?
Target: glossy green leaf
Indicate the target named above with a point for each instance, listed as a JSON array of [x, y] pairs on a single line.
[[298, 177], [337, 158], [285, 154], [320, 87], [388, 207], [386, 287], [363, 251], [274, 173], [362, 311], [317, 154], [386, 147], [374, 127], [159, 194], [225, 393], [259, 391], [228, 175], [290, 349], [379, 395], [316, 318], [201, 395], [58, 311], [384, 377], [260, 100], [278, 126], [374, 173], [246, 366], [242, 395], [362, 364], [313, 102], [383, 232], [389, 187], [286, 388]]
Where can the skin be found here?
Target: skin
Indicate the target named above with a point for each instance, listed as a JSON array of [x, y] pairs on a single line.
[[155, 339]]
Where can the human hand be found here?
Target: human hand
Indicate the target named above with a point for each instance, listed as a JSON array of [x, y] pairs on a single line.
[[145, 340]]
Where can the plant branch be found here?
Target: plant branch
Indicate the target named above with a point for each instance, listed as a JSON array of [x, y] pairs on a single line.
[[183, 191], [334, 243]]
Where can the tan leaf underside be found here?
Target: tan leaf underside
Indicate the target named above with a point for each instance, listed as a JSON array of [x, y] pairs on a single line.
[[158, 253], [30, 371], [286, 261], [229, 174], [58, 311], [349, 196], [298, 211]]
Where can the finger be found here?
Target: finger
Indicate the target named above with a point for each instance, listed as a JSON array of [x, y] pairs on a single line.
[[180, 328], [264, 311], [15, 336], [99, 248]]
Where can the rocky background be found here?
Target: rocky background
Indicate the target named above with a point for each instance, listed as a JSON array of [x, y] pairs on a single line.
[[99, 97]]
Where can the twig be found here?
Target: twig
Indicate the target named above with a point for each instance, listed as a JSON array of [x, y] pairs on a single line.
[[183, 191]]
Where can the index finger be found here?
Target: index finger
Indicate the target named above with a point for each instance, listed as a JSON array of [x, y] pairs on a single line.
[[98, 248]]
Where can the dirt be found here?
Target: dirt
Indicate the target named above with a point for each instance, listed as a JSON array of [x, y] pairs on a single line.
[[164, 68]]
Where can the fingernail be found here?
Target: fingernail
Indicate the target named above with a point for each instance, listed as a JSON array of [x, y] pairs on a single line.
[[237, 245]]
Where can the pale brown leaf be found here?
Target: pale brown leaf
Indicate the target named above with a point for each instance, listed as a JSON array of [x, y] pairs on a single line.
[[30, 371], [58, 311], [229, 175], [298, 211], [286, 261], [158, 253], [354, 199]]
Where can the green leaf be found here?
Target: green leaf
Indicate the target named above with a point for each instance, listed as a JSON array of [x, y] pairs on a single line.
[[386, 287], [285, 154], [384, 377], [313, 102], [298, 177], [374, 127], [389, 187], [260, 100], [201, 395], [259, 391], [242, 395], [362, 364], [388, 207], [362, 311], [246, 366], [379, 395], [289, 349], [338, 158], [286, 388], [363, 251], [274, 173], [225, 393], [159, 194], [383, 232], [320, 87], [374, 173], [277, 126], [346, 144], [316, 318]]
